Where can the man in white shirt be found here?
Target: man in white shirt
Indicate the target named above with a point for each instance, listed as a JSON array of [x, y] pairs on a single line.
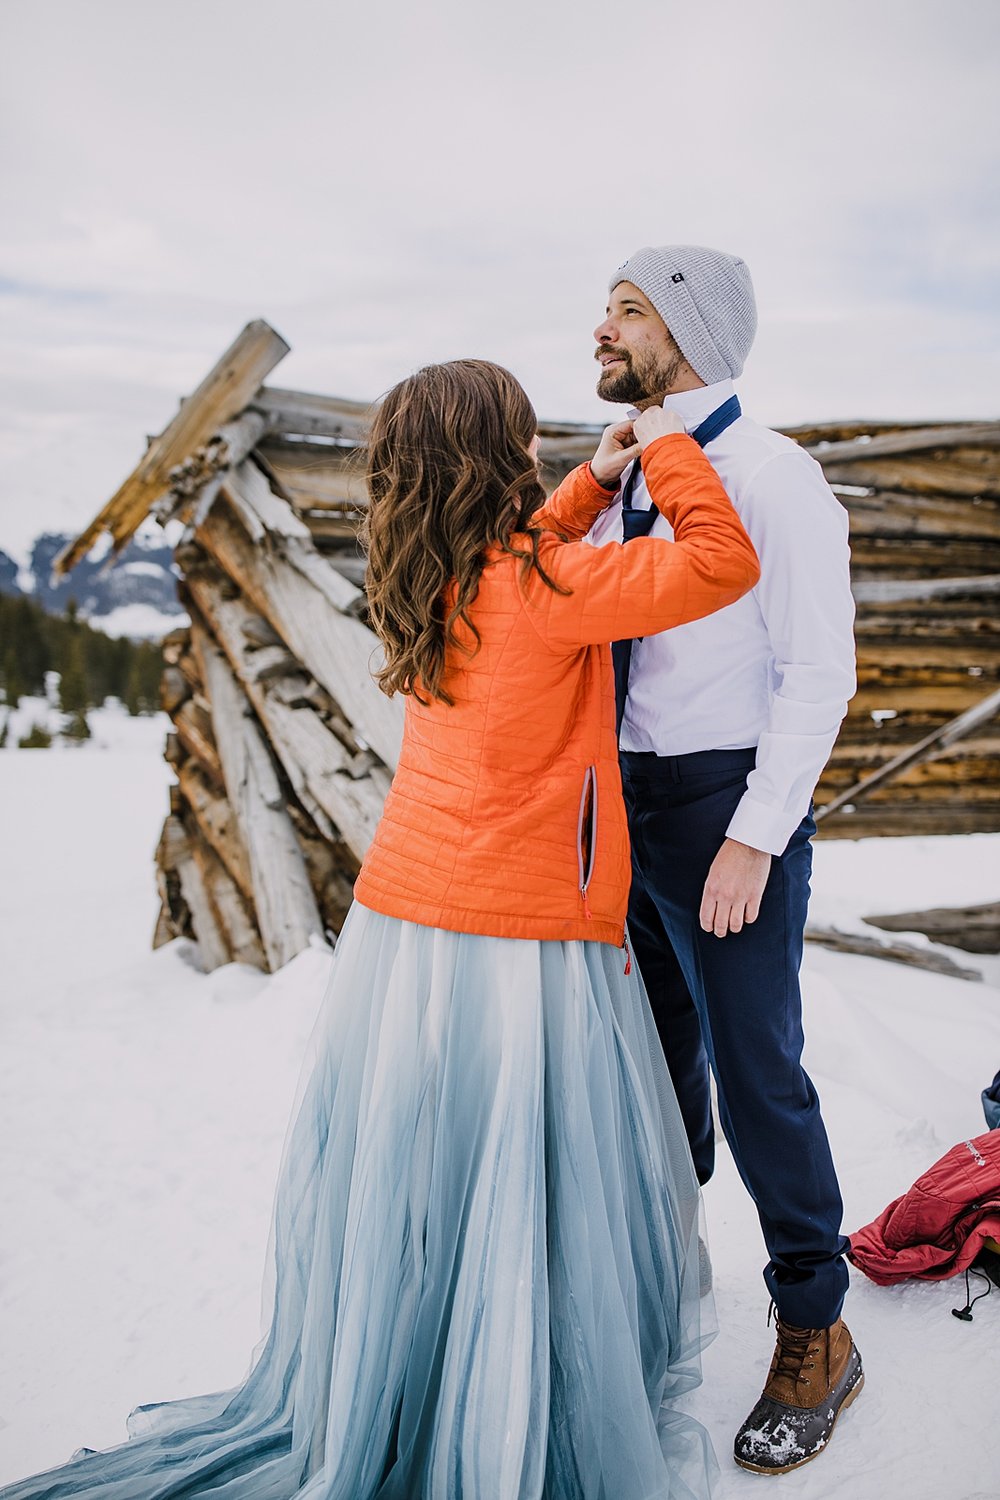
[[725, 727]]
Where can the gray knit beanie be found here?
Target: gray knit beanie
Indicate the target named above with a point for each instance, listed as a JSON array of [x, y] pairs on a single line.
[[706, 299]]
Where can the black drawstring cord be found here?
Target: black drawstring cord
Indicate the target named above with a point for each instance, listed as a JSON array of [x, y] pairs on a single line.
[[964, 1314]]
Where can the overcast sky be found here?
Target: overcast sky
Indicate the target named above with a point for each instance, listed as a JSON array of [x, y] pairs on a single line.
[[390, 183]]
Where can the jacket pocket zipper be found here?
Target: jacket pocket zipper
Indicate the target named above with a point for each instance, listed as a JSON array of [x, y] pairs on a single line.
[[586, 834]]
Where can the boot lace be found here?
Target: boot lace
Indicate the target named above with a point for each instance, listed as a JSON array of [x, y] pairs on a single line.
[[794, 1344]]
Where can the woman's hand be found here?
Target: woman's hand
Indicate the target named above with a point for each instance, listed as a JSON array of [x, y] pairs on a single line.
[[616, 451], [655, 423]]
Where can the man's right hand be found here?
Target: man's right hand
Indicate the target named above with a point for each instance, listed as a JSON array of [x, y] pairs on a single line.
[[655, 423], [616, 451]]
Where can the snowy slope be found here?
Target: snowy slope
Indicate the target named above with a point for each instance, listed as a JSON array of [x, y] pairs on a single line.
[[144, 1107]]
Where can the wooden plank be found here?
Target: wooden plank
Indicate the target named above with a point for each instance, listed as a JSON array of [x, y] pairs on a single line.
[[900, 819], [213, 949], [956, 729], [888, 513], [232, 914], [345, 800], [284, 906], [908, 440], [220, 398], [919, 590], [976, 929], [193, 727], [293, 588], [900, 953], [950, 471], [218, 824]]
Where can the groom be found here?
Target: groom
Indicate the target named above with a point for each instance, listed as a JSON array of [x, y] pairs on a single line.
[[725, 726]]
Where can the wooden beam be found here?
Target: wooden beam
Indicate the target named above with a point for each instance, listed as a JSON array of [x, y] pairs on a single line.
[[907, 440], [284, 905], [294, 588], [900, 953], [344, 798], [220, 398], [976, 929], [920, 590], [955, 729], [175, 856]]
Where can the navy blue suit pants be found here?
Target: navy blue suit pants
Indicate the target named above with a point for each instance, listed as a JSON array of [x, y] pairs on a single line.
[[733, 1004]]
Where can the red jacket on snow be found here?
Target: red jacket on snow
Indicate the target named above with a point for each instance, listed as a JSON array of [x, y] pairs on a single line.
[[936, 1229]]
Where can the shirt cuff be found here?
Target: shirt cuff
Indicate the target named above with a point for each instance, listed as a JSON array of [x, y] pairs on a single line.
[[761, 827]]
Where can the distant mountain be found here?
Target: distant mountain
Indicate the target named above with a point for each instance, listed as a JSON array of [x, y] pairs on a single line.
[[136, 595]]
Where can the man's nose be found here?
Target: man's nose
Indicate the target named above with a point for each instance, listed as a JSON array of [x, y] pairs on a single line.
[[605, 332]]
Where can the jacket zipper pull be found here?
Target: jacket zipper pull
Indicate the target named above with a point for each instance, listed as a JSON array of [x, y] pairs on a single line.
[[586, 904], [628, 955]]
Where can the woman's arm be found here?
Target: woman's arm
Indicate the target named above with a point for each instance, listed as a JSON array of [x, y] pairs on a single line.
[[649, 584]]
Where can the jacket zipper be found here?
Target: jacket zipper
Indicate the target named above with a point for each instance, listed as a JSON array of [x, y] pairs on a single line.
[[587, 823]]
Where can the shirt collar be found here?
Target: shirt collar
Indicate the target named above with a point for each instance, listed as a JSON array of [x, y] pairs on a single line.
[[694, 406]]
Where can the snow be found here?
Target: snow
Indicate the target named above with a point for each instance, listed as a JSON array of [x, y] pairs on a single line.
[[144, 1106], [138, 621], [144, 569], [112, 727]]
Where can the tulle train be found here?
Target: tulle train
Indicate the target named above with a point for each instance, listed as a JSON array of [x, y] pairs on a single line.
[[484, 1251]]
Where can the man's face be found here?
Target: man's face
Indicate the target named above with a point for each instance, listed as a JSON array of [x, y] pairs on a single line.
[[637, 354]]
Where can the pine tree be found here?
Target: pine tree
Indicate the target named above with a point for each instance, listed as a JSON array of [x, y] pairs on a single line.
[[13, 682], [77, 730], [74, 696], [37, 738]]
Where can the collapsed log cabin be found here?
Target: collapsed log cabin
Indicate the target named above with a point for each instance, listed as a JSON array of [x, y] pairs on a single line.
[[283, 747]]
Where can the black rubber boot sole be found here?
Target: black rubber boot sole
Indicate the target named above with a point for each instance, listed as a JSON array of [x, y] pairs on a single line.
[[778, 1414]]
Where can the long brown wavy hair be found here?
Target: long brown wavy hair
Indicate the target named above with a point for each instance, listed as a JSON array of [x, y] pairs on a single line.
[[449, 474]]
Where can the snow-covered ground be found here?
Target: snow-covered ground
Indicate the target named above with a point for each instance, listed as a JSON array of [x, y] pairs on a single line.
[[144, 1106]]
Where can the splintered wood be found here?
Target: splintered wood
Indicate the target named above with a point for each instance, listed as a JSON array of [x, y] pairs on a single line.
[[284, 748]]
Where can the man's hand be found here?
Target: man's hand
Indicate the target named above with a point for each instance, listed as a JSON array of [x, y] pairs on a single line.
[[655, 423], [734, 888], [616, 451]]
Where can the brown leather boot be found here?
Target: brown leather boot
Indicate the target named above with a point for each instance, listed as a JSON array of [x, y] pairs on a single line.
[[814, 1374]]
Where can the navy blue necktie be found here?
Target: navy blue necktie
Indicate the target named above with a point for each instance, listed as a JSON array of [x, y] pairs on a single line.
[[640, 522]]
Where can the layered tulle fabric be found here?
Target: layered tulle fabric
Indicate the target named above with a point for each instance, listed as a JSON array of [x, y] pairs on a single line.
[[484, 1250]]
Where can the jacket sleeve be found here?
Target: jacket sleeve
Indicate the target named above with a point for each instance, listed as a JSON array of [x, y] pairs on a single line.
[[650, 584], [575, 505]]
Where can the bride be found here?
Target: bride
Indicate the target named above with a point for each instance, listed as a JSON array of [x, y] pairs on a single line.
[[486, 1224]]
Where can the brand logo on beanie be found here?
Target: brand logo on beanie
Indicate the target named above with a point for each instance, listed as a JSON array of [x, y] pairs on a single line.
[[677, 276]]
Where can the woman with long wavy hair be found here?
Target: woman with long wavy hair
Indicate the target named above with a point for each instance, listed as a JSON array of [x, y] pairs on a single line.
[[486, 1225]]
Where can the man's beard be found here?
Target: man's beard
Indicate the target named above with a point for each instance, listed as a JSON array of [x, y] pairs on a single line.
[[644, 377]]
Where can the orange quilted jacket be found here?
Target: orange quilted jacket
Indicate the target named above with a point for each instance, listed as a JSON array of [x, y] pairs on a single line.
[[505, 814]]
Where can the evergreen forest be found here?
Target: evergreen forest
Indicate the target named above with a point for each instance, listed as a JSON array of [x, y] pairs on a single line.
[[91, 666]]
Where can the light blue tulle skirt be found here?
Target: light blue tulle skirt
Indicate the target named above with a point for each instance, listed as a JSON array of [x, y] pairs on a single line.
[[484, 1253]]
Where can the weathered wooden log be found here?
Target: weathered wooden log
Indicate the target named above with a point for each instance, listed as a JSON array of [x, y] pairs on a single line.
[[218, 825], [954, 730], [220, 398], [900, 953], [899, 819], [193, 727], [322, 771], [976, 929], [163, 932], [231, 911], [195, 483], [919, 590], [294, 588], [908, 440], [176, 856], [285, 908], [174, 689]]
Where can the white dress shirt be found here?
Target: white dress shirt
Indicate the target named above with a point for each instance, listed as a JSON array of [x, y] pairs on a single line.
[[775, 670]]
